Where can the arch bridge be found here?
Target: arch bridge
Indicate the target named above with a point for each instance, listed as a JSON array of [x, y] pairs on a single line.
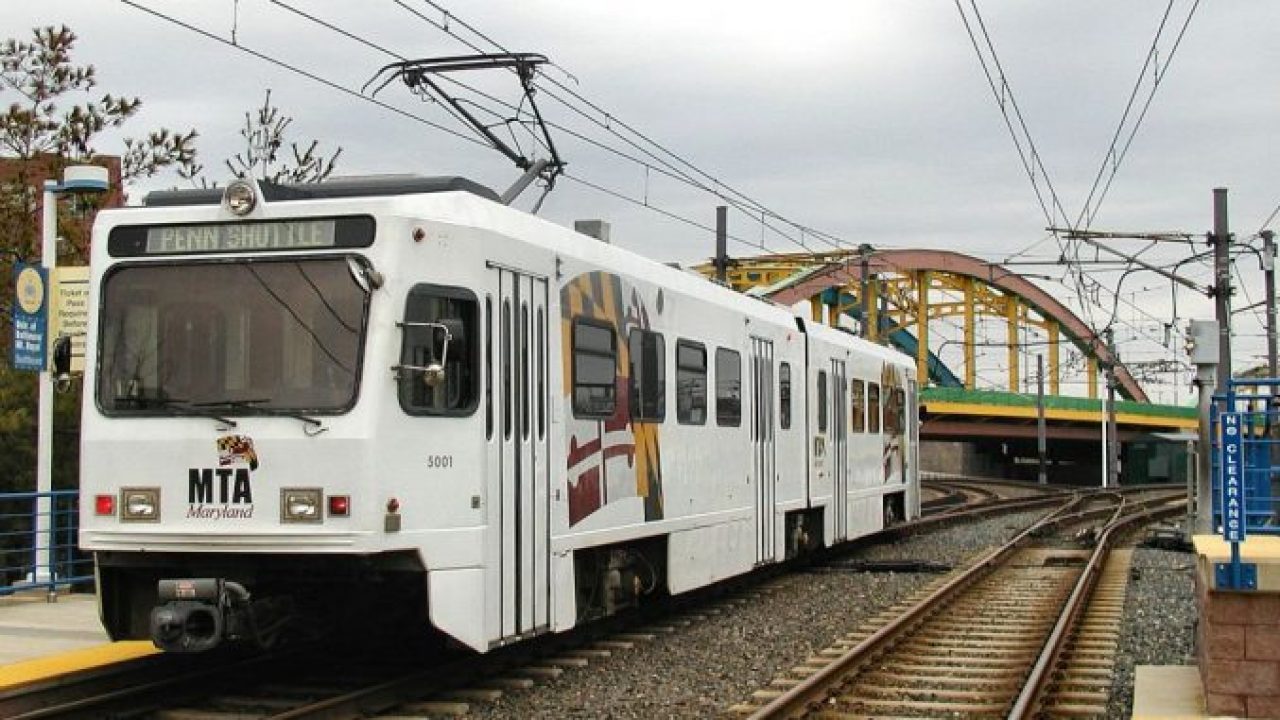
[[912, 299]]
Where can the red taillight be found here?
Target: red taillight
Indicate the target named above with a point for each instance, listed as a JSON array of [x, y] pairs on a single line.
[[339, 505], [104, 504]]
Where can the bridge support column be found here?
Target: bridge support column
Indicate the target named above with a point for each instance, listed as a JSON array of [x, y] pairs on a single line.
[[922, 328], [1055, 370], [815, 308], [1011, 340], [1092, 372], [970, 337]]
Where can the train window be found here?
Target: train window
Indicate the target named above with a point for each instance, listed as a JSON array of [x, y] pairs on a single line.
[[691, 383], [728, 387], [873, 407], [646, 353], [895, 404], [524, 370], [784, 394], [488, 367], [858, 406], [822, 401], [458, 393], [595, 368], [286, 333], [541, 339], [506, 369]]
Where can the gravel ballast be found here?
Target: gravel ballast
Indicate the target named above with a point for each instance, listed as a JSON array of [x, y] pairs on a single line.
[[1160, 617], [704, 669]]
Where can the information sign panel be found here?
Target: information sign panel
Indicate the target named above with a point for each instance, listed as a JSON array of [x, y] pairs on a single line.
[[69, 310], [30, 317], [1233, 487]]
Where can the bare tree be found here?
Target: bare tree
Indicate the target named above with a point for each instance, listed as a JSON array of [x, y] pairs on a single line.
[[264, 133]]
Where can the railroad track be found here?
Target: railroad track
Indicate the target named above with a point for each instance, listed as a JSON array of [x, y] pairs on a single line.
[[318, 683], [1014, 635]]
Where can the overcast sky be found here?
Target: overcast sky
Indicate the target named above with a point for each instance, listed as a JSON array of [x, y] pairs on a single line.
[[871, 121]]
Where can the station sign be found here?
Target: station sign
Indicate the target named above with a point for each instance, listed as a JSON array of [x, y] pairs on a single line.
[[1233, 487], [69, 309], [30, 317]]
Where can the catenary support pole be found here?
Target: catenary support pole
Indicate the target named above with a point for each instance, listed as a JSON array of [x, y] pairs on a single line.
[[1222, 285], [1269, 273]]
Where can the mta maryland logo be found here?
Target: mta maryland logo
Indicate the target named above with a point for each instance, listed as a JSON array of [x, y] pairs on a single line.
[[233, 449]]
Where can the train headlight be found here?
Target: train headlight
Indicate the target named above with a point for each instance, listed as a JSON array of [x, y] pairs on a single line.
[[139, 504], [301, 505], [240, 197]]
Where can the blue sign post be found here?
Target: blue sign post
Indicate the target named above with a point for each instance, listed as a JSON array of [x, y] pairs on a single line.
[[1237, 575], [30, 317]]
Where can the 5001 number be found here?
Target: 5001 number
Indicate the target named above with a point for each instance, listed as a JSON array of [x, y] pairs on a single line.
[[439, 462]]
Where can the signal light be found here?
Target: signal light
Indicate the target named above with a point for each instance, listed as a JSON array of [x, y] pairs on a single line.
[[104, 504], [339, 505]]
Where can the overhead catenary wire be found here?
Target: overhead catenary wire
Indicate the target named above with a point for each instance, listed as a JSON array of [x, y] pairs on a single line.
[[666, 169], [241, 47], [745, 208], [1088, 212]]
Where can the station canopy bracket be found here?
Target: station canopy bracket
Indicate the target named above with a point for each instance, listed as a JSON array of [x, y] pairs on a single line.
[[427, 78]]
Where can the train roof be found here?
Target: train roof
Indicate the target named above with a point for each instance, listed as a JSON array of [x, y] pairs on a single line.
[[483, 202], [341, 187]]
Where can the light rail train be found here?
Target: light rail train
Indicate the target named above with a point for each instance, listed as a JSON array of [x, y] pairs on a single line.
[[397, 400]]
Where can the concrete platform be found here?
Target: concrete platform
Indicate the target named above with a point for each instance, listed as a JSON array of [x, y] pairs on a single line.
[[1261, 550], [1167, 692], [40, 639]]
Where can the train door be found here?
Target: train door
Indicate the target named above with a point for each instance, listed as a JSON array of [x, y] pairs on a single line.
[[763, 450], [521, 397], [839, 439]]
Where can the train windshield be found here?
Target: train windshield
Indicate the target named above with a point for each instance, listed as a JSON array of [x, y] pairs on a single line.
[[253, 334]]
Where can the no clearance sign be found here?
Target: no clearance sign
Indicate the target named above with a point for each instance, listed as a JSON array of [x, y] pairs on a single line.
[[1233, 518]]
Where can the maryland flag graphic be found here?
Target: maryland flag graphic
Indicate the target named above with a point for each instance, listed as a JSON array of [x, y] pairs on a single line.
[[237, 448], [610, 458]]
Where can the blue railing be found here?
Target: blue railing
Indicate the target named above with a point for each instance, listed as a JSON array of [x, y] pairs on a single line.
[[1257, 401], [47, 560]]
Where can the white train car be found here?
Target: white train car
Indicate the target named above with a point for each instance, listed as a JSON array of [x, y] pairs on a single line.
[[397, 400]]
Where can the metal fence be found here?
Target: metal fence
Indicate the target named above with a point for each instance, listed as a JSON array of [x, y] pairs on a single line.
[[1255, 404], [38, 542]]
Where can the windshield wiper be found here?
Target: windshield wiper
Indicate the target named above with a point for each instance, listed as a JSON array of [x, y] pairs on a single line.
[[253, 405], [174, 406]]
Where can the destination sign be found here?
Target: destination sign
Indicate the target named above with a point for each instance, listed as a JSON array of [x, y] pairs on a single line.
[[240, 237]]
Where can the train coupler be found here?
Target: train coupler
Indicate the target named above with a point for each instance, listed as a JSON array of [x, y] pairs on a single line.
[[198, 614]]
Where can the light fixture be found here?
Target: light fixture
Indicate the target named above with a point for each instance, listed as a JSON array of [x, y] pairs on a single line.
[[300, 505], [139, 504], [240, 197]]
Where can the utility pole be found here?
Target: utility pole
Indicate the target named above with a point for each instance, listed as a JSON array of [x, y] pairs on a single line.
[[1110, 434], [1041, 448], [1221, 241], [722, 244], [1269, 272], [864, 251]]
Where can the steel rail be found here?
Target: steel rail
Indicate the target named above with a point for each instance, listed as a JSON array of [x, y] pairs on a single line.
[[797, 700], [1040, 677], [816, 689]]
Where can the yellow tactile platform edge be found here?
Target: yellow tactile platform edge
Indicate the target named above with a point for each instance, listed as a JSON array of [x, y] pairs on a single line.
[[31, 671]]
